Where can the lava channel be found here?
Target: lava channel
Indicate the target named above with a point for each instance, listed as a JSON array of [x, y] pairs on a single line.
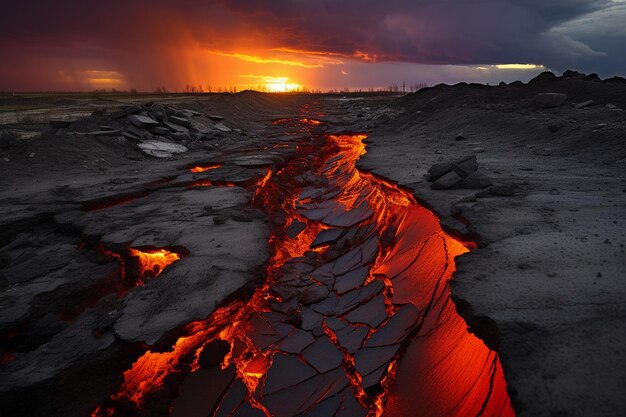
[[354, 318]]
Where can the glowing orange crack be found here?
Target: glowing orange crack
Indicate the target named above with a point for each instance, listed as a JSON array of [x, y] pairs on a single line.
[[204, 168]]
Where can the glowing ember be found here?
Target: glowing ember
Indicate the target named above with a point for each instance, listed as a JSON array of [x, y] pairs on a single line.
[[311, 122], [204, 168], [152, 262], [209, 183], [137, 265]]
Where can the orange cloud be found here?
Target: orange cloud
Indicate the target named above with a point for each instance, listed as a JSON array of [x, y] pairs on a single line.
[[261, 60]]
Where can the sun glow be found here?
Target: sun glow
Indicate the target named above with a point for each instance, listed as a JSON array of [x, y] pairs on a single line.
[[520, 66], [280, 85]]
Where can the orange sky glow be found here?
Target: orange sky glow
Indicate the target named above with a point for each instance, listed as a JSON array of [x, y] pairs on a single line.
[[273, 70], [278, 46]]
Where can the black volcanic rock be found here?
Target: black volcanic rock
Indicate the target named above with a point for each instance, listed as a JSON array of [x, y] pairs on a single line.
[[454, 174], [462, 167], [213, 353], [545, 77], [573, 74], [446, 181]]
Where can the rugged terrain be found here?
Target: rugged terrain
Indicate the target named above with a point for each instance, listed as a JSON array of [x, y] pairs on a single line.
[[547, 282], [537, 182]]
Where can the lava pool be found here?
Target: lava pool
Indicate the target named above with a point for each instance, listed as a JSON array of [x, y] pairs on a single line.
[[354, 318]]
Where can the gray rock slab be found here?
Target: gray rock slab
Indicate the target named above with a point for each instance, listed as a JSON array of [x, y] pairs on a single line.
[[351, 280], [296, 342], [350, 337], [181, 121], [367, 360], [160, 149], [175, 128], [323, 355], [326, 237], [301, 397], [396, 329], [372, 313], [142, 121], [114, 132], [286, 371]]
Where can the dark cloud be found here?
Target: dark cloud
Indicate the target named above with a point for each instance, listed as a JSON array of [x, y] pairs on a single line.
[[130, 34], [431, 32]]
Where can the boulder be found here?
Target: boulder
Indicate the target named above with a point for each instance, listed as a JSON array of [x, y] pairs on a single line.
[[461, 173], [548, 100], [545, 77], [446, 181], [463, 167], [474, 180]]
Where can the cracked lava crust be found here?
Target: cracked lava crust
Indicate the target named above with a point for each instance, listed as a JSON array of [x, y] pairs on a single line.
[[353, 319]]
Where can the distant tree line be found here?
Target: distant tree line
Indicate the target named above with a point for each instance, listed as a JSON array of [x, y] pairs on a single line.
[[208, 88]]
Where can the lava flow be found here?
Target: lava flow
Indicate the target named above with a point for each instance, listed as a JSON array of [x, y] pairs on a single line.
[[353, 319]]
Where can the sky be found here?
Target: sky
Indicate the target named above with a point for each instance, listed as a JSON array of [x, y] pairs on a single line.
[[83, 45]]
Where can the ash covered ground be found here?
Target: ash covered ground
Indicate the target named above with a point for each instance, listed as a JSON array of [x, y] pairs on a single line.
[[534, 174]]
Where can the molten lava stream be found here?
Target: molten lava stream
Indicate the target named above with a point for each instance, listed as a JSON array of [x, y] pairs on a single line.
[[354, 318]]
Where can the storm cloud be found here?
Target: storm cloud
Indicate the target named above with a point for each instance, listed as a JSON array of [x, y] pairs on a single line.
[[135, 37]]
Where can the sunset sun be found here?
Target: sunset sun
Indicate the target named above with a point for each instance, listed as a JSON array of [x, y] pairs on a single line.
[[280, 85]]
